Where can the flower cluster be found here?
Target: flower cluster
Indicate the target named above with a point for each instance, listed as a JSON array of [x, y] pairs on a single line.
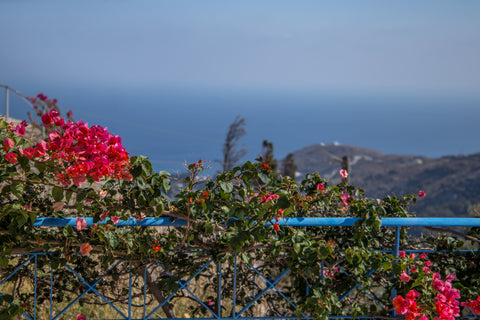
[[446, 297], [81, 151], [474, 305], [447, 304], [408, 305]]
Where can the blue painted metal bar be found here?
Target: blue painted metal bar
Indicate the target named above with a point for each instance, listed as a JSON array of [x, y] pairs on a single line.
[[386, 222], [219, 302], [147, 222], [293, 222]]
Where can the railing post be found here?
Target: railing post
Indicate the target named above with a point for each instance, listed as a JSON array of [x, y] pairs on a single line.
[[396, 251], [219, 301]]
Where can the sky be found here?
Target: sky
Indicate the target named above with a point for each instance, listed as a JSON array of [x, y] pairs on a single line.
[[372, 46]]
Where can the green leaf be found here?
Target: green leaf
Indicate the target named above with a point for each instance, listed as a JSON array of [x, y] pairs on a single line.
[[226, 186], [67, 231], [325, 251], [296, 248], [283, 202], [246, 257], [166, 185], [68, 195], [57, 194], [264, 177]]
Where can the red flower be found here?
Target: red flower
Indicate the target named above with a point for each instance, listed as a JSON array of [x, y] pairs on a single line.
[[81, 223], [85, 249], [11, 157], [115, 219], [474, 305], [29, 152], [276, 227], [281, 212], [421, 193], [81, 316], [400, 304], [405, 277], [156, 247], [343, 173], [7, 144], [20, 129]]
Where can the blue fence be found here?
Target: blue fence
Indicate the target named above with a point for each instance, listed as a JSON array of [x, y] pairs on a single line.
[[134, 298]]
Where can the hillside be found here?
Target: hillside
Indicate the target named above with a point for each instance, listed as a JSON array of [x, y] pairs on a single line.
[[452, 183]]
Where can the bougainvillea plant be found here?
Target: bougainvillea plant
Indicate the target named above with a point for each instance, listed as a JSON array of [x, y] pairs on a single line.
[[82, 171]]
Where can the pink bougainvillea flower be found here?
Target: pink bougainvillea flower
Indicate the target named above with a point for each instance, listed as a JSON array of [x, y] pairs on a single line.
[[81, 224], [47, 119], [343, 173], [103, 215], [451, 277], [58, 206], [7, 144], [426, 269], [412, 294], [423, 256], [115, 219], [421, 193], [401, 254], [20, 128], [29, 152], [321, 186], [438, 285], [81, 316], [427, 263], [413, 269], [474, 305], [126, 176], [11, 157], [85, 249], [405, 277], [400, 304], [411, 255]]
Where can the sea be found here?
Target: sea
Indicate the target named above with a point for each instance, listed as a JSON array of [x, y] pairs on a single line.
[[175, 125]]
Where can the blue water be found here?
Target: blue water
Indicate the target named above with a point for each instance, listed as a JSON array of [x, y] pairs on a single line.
[[172, 125]]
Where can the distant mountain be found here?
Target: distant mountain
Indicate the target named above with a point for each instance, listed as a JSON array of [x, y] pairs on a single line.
[[451, 183]]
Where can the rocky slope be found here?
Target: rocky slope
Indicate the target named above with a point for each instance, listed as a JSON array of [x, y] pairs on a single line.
[[452, 183]]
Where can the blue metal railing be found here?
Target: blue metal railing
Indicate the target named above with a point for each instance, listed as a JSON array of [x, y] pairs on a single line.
[[269, 285]]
